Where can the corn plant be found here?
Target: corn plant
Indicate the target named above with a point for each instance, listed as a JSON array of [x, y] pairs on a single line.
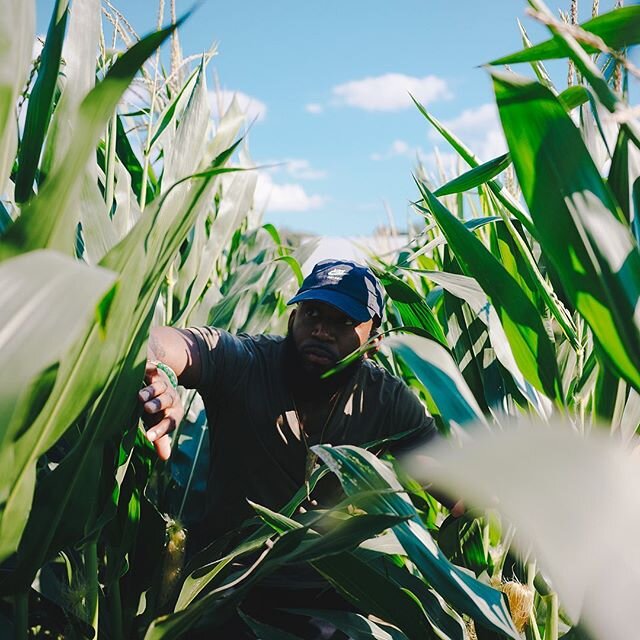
[[114, 217], [517, 308], [97, 242]]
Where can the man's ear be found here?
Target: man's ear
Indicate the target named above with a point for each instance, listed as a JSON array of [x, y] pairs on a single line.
[[290, 322], [374, 344]]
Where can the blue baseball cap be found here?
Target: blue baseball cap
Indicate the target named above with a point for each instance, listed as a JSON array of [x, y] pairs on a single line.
[[346, 285]]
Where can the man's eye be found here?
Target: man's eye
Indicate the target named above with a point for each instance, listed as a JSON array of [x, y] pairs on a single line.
[[311, 313], [349, 323]]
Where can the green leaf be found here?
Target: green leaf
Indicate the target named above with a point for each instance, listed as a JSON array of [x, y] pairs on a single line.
[[461, 540], [497, 189], [294, 265], [127, 156], [436, 370], [169, 114], [5, 218], [265, 631], [100, 374], [532, 350], [536, 65], [573, 97], [447, 623], [359, 470], [372, 592], [77, 78], [40, 105], [475, 177], [50, 219], [577, 219], [46, 302], [174, 624], [17, 35], [413, 310], [366, 587], [619, 29], [357, 627], [619, 178], [467, 290], [340, 536]]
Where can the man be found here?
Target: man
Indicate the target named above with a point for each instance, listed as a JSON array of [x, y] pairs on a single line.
[[266, 401]]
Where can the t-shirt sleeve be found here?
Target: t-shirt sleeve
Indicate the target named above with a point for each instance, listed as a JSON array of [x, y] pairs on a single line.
[[409, 415], [224, 360]]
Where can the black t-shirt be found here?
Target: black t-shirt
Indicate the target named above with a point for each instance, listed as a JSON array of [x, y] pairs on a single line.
[[257, 453]]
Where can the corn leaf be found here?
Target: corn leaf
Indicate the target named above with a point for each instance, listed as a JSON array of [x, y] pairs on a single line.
[[532, 350], [413, 310], [17, 33], [365, 586], [359, 470], [573, 97], [467, 290], [265, 631], [475, 177], [619, 29], [53, 209], [102, 371], [79, 55], [46, 301], [357, 627], [174, 624], [554, 515], [469, 157], [436, 370], [445, 621], [40, 105], [576, 217]]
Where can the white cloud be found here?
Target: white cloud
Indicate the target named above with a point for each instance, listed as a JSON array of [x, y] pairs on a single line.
[[483, 116], [297, 168], [479, 129], [397, 148], [290, 197], [220, 100], [390, 92], [314, 108], [302, 169]]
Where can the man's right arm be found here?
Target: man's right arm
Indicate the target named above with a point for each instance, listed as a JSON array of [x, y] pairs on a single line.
[[162, 407], [178, 349]]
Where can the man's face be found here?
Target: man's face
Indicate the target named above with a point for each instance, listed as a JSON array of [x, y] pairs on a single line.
[[323, 335]]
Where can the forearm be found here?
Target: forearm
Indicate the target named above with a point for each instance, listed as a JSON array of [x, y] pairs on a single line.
[[178, 349]]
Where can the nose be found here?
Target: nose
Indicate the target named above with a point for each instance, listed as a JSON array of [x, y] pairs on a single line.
[[321, 331]]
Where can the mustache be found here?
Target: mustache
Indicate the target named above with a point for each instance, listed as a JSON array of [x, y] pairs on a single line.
[[318, 347]]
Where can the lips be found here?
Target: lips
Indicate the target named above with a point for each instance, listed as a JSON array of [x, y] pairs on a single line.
[[318, 354]]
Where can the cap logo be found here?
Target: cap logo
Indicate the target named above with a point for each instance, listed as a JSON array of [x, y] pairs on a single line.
[[336, 274]]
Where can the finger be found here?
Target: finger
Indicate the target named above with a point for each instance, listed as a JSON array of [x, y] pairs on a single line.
[[150, 371], [159, 403], [166, 425], [163, 447], [155, 389], [150, 367], [152, 419]]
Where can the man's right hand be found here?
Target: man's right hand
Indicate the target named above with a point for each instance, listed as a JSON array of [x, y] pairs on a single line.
[[162, 409]]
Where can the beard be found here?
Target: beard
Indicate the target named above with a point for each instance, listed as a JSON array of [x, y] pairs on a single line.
[[305, 378]]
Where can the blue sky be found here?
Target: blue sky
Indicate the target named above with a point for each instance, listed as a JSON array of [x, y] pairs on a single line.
[[329, 80]]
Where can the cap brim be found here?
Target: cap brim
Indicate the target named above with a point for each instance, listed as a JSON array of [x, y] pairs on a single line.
[[340, 301]]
